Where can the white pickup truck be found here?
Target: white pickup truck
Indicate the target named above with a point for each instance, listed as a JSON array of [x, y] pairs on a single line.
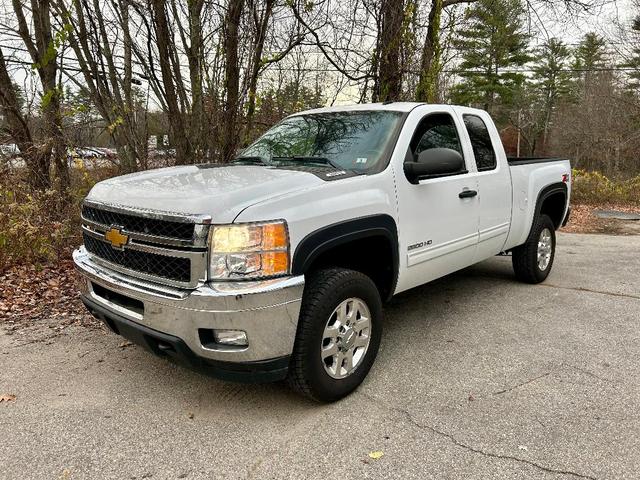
[[276, 266]]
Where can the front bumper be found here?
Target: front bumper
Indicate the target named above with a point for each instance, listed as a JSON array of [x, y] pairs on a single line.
[[177, 323]]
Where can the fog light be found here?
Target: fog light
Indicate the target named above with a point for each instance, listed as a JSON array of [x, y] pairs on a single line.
[[230, 337]]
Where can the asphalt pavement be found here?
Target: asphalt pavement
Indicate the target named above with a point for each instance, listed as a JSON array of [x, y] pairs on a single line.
[[478, 376]]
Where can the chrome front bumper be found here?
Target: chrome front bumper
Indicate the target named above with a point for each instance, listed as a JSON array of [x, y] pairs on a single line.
[[266, 310]]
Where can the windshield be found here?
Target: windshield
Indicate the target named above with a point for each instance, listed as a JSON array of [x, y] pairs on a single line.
[[347, 140]]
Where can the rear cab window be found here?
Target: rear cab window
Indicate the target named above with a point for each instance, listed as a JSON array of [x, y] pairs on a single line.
[[483, 151]]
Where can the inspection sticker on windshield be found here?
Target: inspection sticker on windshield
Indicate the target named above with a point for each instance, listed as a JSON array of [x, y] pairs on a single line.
[[361, 160], [335, 174]]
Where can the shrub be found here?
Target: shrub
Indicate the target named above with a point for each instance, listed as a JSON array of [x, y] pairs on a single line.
[[38, 227], [595, 189]]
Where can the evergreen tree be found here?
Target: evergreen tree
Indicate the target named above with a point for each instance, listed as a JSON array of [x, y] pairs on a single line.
[[493, 43], [590, 58], [19, 92], [634, 62], [552, 81]]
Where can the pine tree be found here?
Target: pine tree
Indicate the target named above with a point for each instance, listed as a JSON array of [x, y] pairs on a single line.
[[634, 62], [590, 59], [552, 81], [493, 44]]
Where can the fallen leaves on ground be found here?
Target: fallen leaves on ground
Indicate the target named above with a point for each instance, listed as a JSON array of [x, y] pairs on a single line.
[[66, 474], [33, 293], [7, 397], [376, 455], [584, 220]]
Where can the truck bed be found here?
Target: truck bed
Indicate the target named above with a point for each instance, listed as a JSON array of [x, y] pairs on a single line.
[[526, 160]]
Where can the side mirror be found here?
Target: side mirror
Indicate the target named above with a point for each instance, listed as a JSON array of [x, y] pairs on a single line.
[[433, 163]]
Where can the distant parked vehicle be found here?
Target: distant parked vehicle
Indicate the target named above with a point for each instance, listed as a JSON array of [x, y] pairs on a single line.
[[91, 157], [9, 150]]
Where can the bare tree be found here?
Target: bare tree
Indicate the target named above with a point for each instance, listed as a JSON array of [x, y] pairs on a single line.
[[18, 129], [229, 138], [36, 33], [391, 37], [105, 62], [431, 59]]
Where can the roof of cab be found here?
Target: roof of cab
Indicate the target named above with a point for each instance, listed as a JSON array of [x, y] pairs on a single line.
[[390, 106], [404, 107]]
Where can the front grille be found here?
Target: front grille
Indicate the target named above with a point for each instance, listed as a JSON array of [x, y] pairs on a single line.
[[136, 224], [172, 268]]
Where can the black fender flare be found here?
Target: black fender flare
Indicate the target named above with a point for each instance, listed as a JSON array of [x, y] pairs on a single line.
[[545, 193], [331, 236]]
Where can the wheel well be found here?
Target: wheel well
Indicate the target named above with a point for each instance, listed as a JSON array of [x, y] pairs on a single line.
[[373, 256], [554, 206]]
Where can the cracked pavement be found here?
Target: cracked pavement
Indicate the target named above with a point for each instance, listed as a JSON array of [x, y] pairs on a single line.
[[478, 376]]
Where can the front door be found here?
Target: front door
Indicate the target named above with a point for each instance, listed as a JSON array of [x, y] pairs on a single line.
[[438, 217]]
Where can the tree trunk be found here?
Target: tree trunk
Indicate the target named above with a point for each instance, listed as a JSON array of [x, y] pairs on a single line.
[[427, 90], [56, 145], [229, 141], [128, 160], [47, 66], [41, 47], [390, 75], [195, 55], [179, 134], [36, 159], [256, 65]]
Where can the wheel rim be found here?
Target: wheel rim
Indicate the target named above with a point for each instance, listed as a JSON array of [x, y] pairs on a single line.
[[346, 338], [545, 247]]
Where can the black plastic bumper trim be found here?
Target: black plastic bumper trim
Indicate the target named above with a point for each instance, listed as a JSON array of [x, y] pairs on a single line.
[[176, 350]]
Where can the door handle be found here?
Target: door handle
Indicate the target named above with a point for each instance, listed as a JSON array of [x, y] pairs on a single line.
[[467, 193]]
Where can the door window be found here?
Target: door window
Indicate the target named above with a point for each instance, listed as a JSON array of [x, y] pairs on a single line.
[[436, 131], [481, 142]]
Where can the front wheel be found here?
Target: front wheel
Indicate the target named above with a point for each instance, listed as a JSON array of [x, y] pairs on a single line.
[[532, 261], [339, 333]]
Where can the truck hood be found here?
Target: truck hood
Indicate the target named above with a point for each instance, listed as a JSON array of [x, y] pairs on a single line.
[[219, 191]]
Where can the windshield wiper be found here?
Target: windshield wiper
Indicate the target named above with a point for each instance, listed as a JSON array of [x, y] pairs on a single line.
[[249, 161], [308, 159]]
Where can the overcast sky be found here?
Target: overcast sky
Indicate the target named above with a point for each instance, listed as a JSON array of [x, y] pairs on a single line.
[[604, 21]]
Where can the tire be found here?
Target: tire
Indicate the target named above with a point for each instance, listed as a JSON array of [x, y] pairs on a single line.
[[527, 265], [312, 371]]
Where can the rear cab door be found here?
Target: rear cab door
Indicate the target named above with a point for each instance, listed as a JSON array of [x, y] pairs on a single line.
[[493, 180]]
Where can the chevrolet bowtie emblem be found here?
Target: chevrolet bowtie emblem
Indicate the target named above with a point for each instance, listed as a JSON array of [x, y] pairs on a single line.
[[116, 238]]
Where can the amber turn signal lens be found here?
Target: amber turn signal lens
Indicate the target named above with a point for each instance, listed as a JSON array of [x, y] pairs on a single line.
[[274, 236], [275, 263]]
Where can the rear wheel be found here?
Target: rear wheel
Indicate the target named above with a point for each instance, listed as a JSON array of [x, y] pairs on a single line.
[[532, 261], [338, 336]]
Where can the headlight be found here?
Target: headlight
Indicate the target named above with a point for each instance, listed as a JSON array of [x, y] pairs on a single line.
[[248, 250]]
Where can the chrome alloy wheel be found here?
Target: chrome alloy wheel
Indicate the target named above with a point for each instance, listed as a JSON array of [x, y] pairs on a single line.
[[346, 338], [545, 246]]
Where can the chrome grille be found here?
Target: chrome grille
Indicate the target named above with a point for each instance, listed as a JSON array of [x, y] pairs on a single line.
[[172, 268], [137, 224], [167, 248]]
